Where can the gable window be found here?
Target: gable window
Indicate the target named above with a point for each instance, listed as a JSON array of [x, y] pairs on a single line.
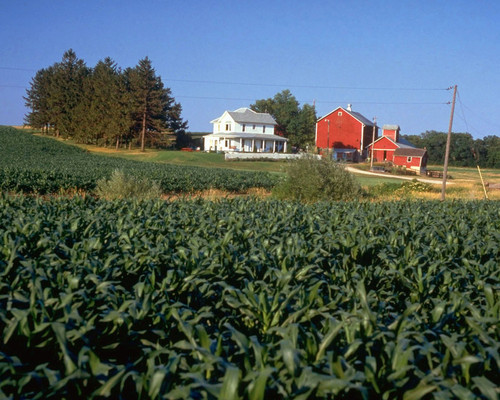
[[264, 129], [243, 127], [228, 127], [340, 113], [408, 159]]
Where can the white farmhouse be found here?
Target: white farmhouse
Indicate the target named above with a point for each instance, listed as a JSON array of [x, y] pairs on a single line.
[[244, 130]]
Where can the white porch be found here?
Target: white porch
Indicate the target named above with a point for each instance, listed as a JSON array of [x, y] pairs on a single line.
[[245, 143]]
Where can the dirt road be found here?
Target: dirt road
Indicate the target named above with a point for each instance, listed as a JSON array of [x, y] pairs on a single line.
[[408, 178]]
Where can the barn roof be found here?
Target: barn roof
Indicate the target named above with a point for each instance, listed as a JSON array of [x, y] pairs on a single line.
[[360, 117]]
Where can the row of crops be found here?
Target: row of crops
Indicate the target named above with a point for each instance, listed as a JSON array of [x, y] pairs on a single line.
[[32, 164], [249, 299]]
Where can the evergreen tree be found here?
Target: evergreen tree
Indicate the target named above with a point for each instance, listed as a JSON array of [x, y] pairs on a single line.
[[67, 94], [148, 100], [37, 99], [105, 104]]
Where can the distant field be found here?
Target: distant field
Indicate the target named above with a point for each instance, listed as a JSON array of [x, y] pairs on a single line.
[[465, 182], [35, 164]]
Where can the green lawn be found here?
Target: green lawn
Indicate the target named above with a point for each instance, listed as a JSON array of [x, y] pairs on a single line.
[[195, 158]]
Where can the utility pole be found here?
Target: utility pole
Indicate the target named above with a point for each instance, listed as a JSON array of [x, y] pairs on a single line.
[[373, 141], [448, 140]]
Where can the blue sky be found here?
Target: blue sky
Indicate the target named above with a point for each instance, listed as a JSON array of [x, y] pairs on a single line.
[[391, 59]]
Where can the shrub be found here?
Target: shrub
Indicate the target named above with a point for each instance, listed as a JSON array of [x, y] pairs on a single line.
[[415, 186], [309, 179], [122, 186], [404, 189]]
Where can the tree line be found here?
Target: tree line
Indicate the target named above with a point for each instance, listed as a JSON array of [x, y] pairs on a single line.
[[104, 105], [465, 151]]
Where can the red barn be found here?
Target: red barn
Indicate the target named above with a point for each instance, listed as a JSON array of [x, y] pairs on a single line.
[[346, 133], [392, 148]]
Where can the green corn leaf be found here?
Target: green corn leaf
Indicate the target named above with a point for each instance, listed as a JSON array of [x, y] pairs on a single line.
[[335, 327], [107, 387], [257, 388], [487, 388], [419, 392], [156, 382], [230, 384]]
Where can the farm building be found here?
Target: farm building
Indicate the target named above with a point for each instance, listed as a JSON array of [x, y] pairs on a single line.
[[244, 130], [345, 133], [390, 147]]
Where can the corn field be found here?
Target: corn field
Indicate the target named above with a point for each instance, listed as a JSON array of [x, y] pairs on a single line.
[[248, 299]]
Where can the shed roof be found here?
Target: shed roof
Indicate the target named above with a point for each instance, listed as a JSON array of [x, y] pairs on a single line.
[[409, 152]]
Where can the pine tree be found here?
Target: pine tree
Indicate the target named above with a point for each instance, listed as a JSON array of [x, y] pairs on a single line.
[[107, 115], [67, 93], [145, 91], [153, 108], [37, 99]]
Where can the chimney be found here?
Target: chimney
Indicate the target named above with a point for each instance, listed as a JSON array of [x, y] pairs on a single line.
[[349, 107]]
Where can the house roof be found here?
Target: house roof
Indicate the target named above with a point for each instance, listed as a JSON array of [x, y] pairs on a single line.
[[248, 116], [409, 152]]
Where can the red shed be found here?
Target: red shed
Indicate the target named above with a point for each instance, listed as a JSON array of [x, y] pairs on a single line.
[[346, 132], [392, 148], [412, 158]]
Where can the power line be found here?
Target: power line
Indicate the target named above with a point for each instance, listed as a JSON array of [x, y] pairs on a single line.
[[13, 86], [463, 114], [317, 101], [304, 86], [17, 69]]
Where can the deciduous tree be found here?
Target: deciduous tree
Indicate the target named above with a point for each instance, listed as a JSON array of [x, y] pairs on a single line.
[[295, 123]]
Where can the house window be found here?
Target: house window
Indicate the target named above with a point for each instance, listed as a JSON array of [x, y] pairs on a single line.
[[243, 128], [228, 127], [226, 144], [253, 127], [264, 129], [408, 159], [340, 113]]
